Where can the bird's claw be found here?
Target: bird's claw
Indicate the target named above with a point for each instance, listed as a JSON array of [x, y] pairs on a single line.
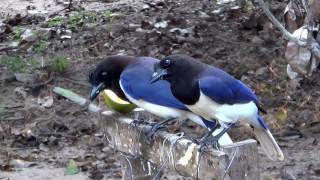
[[150, 133], [209, 141], [137, 122]]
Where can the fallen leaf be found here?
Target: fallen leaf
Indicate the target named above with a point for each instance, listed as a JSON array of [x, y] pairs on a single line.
[[71, 168], [300, 58], [282, 114]]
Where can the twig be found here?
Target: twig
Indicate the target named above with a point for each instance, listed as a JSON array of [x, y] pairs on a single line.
[[231, 161], [129, 164], [14, 118], [274, 20]]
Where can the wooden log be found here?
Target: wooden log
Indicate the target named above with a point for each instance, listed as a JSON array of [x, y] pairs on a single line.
[[170, 151], [177, 153], [137, 168]]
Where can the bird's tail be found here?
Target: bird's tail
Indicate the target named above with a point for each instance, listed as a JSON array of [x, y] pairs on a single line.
[[268, 143]]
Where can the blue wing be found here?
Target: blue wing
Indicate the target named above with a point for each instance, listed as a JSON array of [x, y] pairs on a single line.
[[226, 92], [225, 89], [135, 80]]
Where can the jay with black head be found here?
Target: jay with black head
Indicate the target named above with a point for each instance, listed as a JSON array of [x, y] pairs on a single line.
[[129, 78], [214, 94]]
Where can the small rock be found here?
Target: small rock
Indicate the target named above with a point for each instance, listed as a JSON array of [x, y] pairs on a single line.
[[43, 32], [46, 102], [220, 2], [20, 93], [18, 163], [140, 30], [106, 149], [37, 12], [257, 40], [218, 11], [101, 156], [28, 36], [13, 44], [162, 24], [261, 71], [25, 78], [145, 7], [59, 1], [181, 31], [134, 26], [204, 15], [65, 37]]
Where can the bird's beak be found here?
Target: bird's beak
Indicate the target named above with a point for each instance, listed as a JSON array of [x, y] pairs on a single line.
[[96, 90], [158, 74]]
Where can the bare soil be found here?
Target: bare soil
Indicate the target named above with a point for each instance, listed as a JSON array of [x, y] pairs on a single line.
[[41, 140]]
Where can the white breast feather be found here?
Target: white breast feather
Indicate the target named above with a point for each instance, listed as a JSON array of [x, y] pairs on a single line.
[[225, 113]]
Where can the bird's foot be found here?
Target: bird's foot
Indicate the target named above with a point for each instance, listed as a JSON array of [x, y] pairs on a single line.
[[137, 122], [209, 141], [150, 133]]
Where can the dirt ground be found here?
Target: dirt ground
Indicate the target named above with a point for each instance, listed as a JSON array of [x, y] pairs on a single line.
[[40, 132]]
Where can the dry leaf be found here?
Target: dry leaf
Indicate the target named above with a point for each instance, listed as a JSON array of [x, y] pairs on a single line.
[[299, 58], [282, 114], [293, 16]]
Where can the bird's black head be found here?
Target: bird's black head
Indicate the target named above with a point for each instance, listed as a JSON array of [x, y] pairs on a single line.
[[171, 67], [106, 75]]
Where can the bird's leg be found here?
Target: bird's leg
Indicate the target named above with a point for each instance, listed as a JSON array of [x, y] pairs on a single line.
[[136, 122], [156, 127], [213, 140], [211, 130]]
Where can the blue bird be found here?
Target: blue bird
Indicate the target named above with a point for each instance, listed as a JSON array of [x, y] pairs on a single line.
[[214, 94], [129, 78]]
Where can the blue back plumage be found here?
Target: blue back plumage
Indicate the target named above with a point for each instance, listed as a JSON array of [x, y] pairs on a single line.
[[224, 89], [135, 79]]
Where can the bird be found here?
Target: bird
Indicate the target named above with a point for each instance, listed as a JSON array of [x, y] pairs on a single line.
[[214, 94], [129, 78]]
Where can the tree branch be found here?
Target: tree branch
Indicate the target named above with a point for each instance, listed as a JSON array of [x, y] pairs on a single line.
[[274, 20]]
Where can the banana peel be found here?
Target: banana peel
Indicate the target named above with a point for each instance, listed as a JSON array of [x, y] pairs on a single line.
[[116, 103]]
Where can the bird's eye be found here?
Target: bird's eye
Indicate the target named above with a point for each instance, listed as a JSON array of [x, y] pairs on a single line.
[[166, 63], [104, 74]]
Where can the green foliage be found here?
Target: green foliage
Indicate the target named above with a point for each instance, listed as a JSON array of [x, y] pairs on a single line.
[[16, 64], [267, 178], [17, 34], [91, 16], [107, 14], [2, 108], [71, 168], [59, 64], [41, 46], [75, 18], [110, 15], [55, 21]]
